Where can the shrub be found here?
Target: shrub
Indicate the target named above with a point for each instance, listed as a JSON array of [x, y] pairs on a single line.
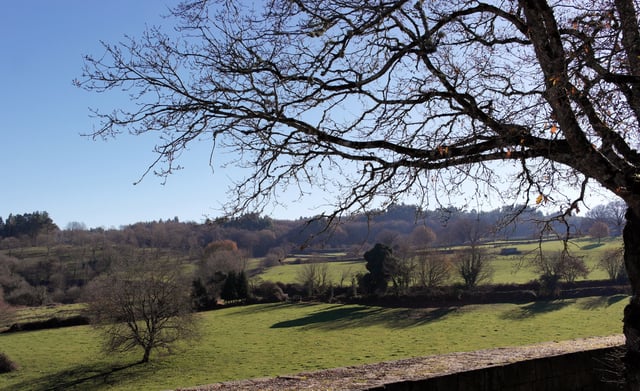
[[314, 277], [270, 292], [6, 365], [612, 262], [559, 266], [549, 285]]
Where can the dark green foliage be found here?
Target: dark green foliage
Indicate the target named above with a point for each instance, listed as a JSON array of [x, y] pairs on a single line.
[[51, 323], [365, 283], [200, 298], [6, 365], [28, 224], [229, 291], [242, 285], [380, 262], [250, 222]]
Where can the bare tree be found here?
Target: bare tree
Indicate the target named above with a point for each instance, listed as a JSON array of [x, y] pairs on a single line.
[[143, 304], [613, 214], [401, 268], [472, 265], [599, 230], [275, 256], [432, 269], [314, 276], [422, 236], [221, 256], [612, 262], [389, 238], [397, 98], [553, 267], [617, 210]]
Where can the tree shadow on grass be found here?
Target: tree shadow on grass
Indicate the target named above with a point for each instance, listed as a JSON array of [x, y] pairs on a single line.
[[536, 308], [591, 246], [268, 307], [83, 377], [594, 303], [340, 317]]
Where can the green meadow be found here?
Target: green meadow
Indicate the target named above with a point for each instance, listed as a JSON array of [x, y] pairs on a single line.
[[275, 339], [506, 269]]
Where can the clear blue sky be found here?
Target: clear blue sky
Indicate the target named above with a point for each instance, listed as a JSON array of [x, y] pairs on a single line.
[[46, 164]]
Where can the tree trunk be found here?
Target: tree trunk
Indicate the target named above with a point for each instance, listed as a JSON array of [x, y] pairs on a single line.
[[631, 327], [147, 353]]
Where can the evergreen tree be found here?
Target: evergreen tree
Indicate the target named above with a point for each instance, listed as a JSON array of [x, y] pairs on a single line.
[[379, 260], [199, 296], [229, 291], [242, 285]]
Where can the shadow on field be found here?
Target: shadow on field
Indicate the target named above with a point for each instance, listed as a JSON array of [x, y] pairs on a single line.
[[81, 377], [594, 303], [269, 307], [591, 246], [340, 317], [536, 308]]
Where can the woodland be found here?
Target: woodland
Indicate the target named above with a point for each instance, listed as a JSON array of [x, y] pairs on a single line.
[[41, 263]]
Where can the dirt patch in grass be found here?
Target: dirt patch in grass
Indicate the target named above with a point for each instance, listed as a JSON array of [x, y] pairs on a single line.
[[375, 375]]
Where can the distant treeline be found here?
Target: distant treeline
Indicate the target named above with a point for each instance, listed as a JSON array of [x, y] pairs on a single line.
[[259, 234], [41, 263], [27, 224]]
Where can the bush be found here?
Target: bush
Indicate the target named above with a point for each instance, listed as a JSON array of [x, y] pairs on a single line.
[[549, 285], [6, 365], [270, 291], [27, 295]]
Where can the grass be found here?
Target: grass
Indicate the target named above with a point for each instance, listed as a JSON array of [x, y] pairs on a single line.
[[268, 340], [507, 269], [275, 339], [31, 314], [338, 271]]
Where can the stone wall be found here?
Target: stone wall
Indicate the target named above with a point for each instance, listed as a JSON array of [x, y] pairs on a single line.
[[591, 370]]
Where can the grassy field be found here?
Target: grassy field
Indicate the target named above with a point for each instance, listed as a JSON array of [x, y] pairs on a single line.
[[507, 269], [339, 272], [273, 339]]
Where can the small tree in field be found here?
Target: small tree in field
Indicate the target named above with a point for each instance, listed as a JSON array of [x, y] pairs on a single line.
[[314, 276], [472, 265], [612, 262], [554, 267], [599, 230], [422, 236], [142, 304], [432, 269], [574, 267], [401, 271]]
